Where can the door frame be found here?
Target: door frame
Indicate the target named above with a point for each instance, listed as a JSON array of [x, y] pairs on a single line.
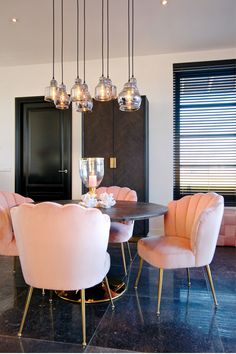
[[19, 102]]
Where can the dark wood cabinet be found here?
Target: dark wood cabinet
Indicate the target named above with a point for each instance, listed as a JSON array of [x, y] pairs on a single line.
[[108, 132]]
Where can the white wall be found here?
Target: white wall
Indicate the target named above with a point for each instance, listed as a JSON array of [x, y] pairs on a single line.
[[154, 75]]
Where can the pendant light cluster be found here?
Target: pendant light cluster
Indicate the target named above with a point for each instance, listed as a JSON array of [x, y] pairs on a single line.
[[79, 92], [81, 96], [105, 90], [62, 99], [129, 99], [77, 89], [113, 87], [55, 93], [50, 91]]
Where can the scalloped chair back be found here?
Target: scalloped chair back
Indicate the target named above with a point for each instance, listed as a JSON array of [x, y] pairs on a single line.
[[54, 242], [61, 247], [196, 218], [119, 193]]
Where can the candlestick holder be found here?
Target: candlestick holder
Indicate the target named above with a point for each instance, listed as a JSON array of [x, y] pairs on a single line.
[[92, 172]]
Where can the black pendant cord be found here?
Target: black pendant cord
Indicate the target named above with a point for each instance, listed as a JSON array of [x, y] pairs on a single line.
[[132, 67], [108, 39], [102, 38], [62, 30], [128, 40], [77, 28], [84, 38], [53, 39]]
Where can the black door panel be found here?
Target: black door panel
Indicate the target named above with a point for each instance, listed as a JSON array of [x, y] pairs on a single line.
[[43, 150]]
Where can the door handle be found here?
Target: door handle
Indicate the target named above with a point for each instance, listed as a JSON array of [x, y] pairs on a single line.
[[112, 162], [63, 171]]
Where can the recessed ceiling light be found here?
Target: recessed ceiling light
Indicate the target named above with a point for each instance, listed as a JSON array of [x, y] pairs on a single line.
[[164, 2], [14, 20]]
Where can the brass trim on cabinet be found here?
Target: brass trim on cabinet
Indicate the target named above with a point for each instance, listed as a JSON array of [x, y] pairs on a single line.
[[112, 162]]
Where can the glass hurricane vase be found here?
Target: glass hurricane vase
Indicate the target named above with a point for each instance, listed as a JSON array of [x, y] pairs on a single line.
[[92, 172]]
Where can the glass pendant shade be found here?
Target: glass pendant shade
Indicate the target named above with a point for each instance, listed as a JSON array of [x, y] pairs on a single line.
[[113, 91], [129, 98], [51, 91], [77, 91], [103, 90], [84, 106], [112, 88], [62, 100], [86, 102]]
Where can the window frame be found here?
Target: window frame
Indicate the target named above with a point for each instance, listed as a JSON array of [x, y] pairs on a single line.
[[184, 70]]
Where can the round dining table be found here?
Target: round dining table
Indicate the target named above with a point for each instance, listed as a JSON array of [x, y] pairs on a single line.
[[121, 211], [127, 210]]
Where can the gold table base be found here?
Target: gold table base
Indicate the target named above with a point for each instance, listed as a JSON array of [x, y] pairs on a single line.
[[97, 293]]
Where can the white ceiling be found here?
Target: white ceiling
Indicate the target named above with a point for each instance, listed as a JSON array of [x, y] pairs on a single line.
[[182, 25]]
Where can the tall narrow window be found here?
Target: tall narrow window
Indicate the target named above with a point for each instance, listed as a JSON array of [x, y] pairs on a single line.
[[205, 129]]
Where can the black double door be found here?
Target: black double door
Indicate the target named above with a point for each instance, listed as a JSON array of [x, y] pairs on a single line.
[[122, 139], [43, 150]]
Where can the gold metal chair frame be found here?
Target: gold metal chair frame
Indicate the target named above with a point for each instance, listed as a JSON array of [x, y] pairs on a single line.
[[83, 318], [161, 270], [123, 255]]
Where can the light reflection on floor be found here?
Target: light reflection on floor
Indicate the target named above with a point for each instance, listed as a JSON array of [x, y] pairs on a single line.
[[188, 321]]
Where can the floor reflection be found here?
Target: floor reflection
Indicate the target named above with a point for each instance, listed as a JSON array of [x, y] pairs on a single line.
[[188, 320]]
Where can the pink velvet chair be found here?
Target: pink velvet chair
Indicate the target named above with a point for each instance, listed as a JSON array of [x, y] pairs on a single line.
[[62, 248], [227, 236], [121, 232], [7, 238], [191, 229]]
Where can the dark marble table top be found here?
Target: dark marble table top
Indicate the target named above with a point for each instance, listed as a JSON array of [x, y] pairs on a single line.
[[125, 210]]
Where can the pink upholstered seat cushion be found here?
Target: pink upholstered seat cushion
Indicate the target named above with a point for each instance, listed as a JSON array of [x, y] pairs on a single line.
[[7, 238], [61, 247], [120, 232], [166, 252]]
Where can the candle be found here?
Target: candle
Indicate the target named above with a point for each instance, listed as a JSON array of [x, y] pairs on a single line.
[[92, 181]]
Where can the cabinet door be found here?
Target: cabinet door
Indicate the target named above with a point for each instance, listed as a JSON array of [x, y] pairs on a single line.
[[98, 136], [131, 152], [108, 132]]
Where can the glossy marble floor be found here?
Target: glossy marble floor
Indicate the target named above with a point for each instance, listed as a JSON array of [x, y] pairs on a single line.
[[188, 321]]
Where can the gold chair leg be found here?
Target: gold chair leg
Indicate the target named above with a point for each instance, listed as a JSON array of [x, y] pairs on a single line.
[[30, 291], [123, 257], [159, 291], [211, 284], [14, 265], [109, 292], [139, 273], [130, 255], [188, 276], [83, 317]]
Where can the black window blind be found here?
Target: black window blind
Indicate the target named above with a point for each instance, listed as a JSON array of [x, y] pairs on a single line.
[[205, 129]]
